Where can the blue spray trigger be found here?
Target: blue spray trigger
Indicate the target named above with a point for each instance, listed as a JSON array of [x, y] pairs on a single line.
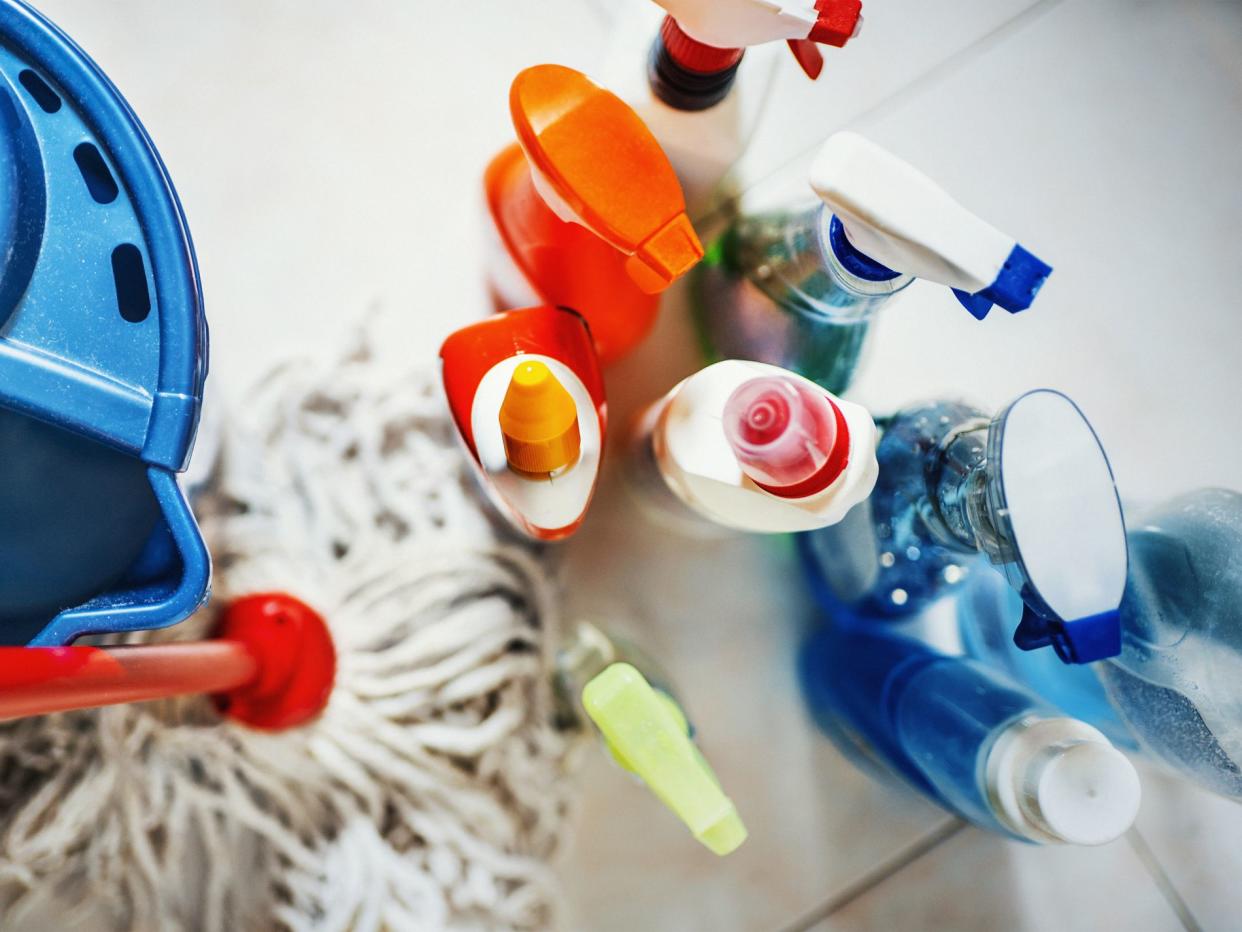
[[1083, 640], [1015, 287], [977, 304]]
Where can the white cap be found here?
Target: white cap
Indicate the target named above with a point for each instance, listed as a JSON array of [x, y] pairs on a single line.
[[1060, 780], [738, 24], [898, 217]]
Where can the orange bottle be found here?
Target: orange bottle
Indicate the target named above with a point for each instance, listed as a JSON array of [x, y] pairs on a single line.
[[587, 209]]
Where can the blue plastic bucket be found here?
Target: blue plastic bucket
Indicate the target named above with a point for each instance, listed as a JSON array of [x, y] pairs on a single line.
[[103, 355]]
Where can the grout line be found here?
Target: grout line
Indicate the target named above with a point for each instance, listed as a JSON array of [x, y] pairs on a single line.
[[878, 874], [935, 74], [1162, 880]]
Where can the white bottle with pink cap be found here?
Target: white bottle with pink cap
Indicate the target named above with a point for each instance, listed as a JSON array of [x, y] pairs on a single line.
[[751, 447]]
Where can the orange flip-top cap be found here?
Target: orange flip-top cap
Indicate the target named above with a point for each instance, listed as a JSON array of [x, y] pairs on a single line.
[[539, 422], [603, 164]]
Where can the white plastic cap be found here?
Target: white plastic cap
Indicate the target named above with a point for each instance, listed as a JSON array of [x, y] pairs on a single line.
[[900, 218], [1060, 780], [737, 24]]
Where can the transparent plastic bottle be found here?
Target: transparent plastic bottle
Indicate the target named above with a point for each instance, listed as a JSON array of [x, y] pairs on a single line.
[[1176, 687], [798, 288], [772, 289], [979, 745], [1031, 489]]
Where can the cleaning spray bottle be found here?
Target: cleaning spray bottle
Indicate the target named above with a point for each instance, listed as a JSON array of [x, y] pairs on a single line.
[[598, 679], [964, 736], [1175, 690], [1030, 488], [799, 289], [750, 447], [103, 355], [585, 210], [527, 396], [693, 90]]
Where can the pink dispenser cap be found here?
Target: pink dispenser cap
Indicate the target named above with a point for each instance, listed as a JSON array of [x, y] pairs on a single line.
[[788, 437]]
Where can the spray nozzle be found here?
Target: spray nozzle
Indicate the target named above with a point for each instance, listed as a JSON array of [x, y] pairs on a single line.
[[648, 735], [595, 163], [893, 217], [708, 31], [788, 438]]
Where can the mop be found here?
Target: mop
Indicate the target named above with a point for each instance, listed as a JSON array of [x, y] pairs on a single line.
[[430, 793]]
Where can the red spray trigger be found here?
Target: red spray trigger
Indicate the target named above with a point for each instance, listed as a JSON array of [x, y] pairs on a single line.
[[838, 22]]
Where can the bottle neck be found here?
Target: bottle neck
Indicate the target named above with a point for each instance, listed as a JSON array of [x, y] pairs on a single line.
[[689, 75], [958, 511], [790, 257]]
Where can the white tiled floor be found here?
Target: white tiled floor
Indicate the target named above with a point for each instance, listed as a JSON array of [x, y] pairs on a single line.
[[329, 156]]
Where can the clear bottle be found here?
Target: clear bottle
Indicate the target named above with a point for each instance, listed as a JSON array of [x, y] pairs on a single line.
[[772, 289], [1031, 489], [1176, 686], [977, 744], [799, 288]]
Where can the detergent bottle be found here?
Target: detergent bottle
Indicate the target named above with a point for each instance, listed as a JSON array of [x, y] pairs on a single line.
[[1031, 489], [585, 210], [799, 288], [977, 744], [103, 355], [702, 76], [745, 446], [608, 682]]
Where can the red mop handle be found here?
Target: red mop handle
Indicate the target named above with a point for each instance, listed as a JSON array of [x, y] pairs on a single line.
[[39, 680], [272, 667]]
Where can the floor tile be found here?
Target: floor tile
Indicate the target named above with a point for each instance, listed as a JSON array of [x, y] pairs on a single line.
[[1196, 837], [724, 618], [976, 881]]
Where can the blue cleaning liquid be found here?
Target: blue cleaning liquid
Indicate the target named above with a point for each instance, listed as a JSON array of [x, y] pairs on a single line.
[[988, 612], [1178, 681], [1176, 689], [928, 717], [894, 555]]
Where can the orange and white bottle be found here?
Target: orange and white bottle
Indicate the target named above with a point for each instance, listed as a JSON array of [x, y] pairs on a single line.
[[586, 210], [526, 394]]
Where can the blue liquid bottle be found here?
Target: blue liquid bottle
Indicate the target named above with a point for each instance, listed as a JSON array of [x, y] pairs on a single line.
[[798, 289], [1031, 489], [1176, 687], [977, 744]]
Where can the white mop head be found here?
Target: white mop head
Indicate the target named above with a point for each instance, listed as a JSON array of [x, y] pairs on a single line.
[[430, 794]]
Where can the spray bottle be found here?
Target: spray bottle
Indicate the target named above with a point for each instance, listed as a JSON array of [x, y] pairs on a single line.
[[750, 447], [606, 681], [527, 396], [693, 89], [1030, 488], [799, 289], [585, 210], [1174, 689], [964, 736]]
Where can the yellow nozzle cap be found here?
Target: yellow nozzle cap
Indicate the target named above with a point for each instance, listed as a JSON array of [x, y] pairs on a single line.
[[647, 733], [539, 421]]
